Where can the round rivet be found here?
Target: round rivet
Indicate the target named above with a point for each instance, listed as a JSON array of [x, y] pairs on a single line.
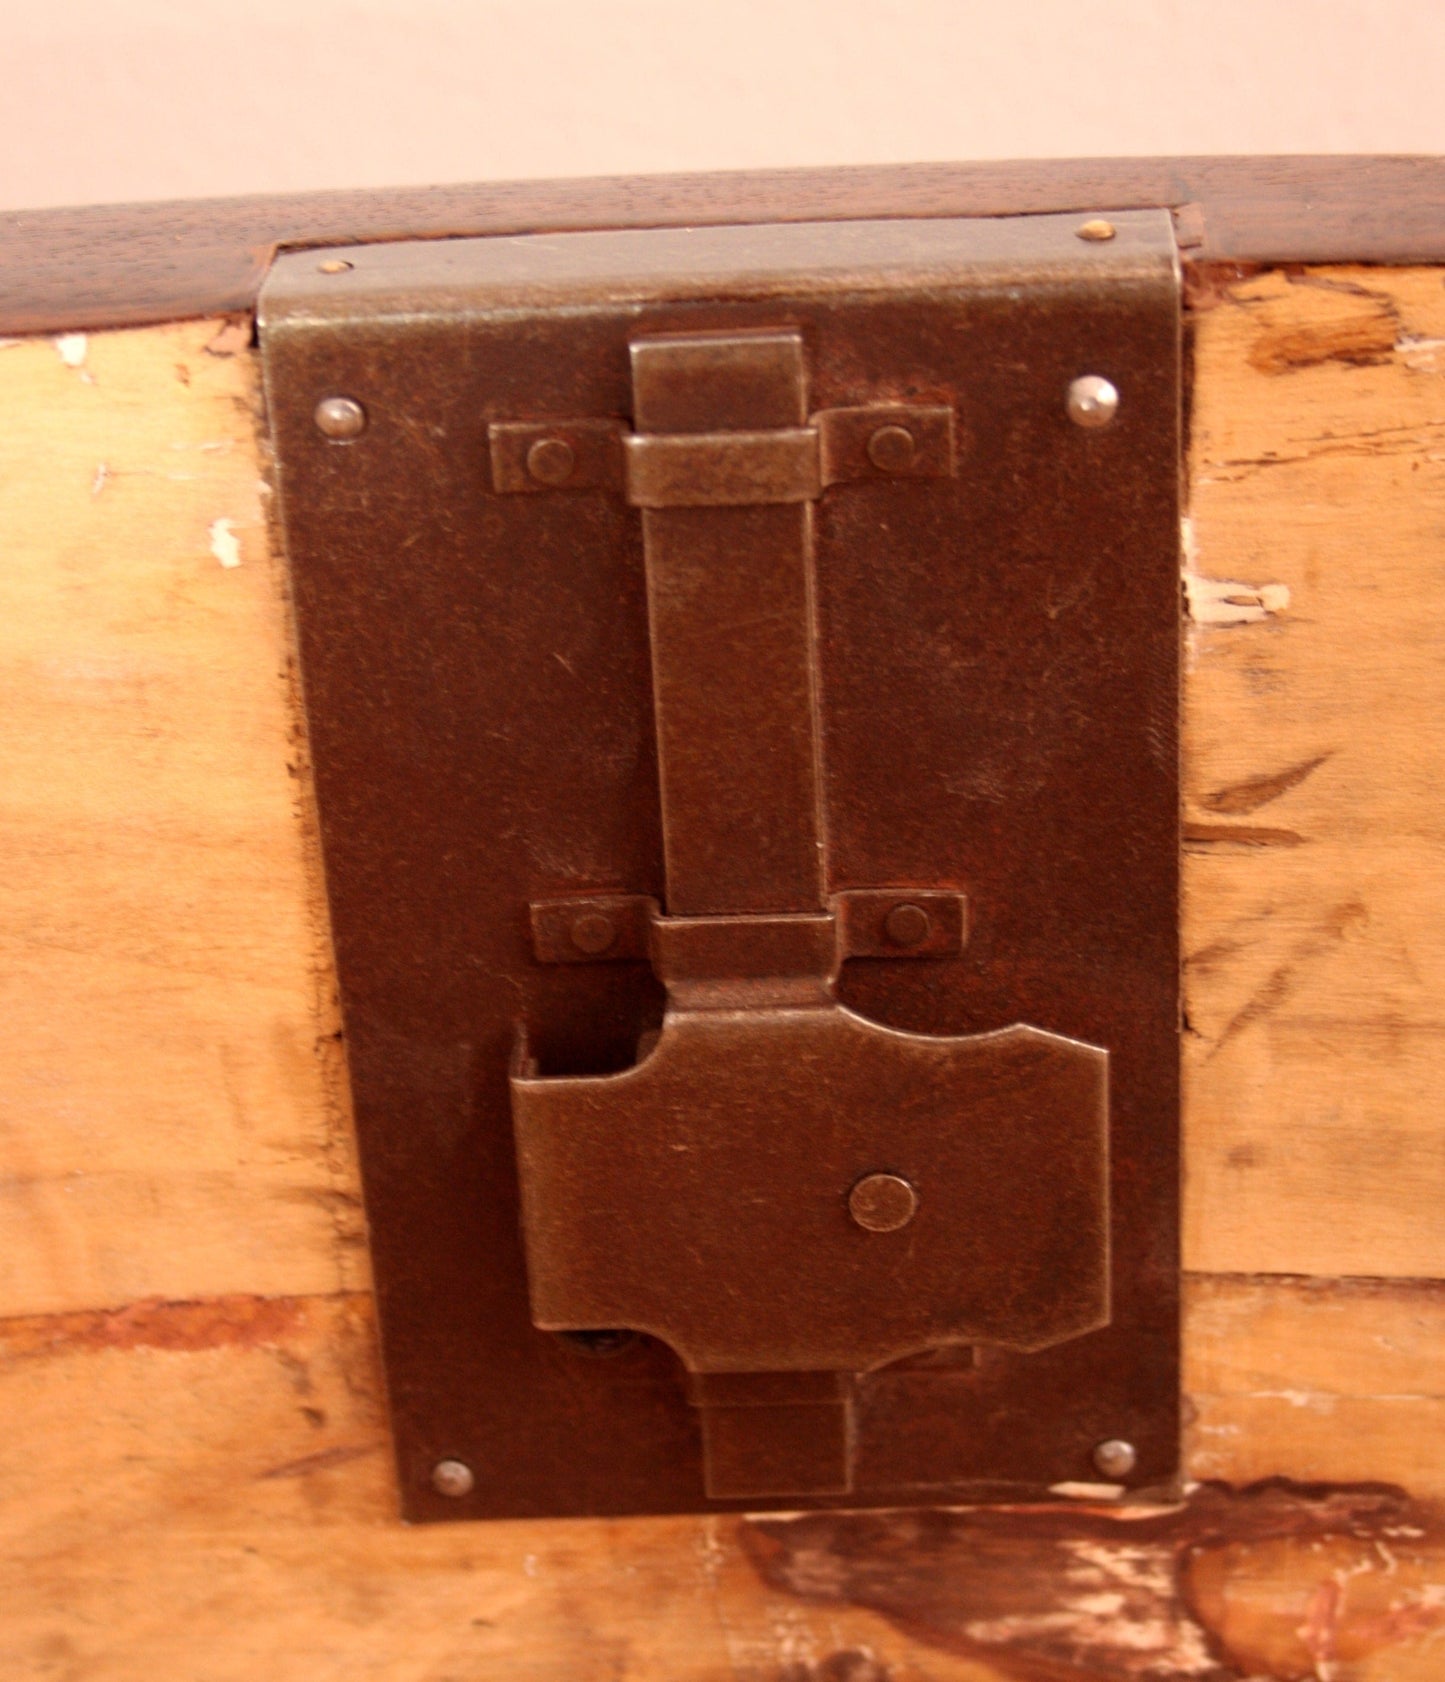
[[882, 1202], [1096, 229], [334, 265], [890, 449], [1093, 401], [453, 1478], [340, 418], [593, 932], [907, 924], [550, 461], [1116, 1458]]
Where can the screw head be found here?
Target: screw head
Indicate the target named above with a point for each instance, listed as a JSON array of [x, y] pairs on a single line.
[[891, 448], [907, 924], [334, 265], [593, 932], [551, 461], [1093, 401], [453, 1478], [340, 418], [882, 1202], [1096, 230], [1116, 1458]]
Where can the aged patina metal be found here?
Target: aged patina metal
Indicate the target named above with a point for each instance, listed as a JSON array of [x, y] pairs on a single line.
[[744, 714]]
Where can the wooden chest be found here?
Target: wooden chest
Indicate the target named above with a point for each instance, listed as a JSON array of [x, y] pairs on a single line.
[[197, 1478]]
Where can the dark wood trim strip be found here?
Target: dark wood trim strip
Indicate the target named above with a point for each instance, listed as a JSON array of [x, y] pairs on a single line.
[[124, 265]]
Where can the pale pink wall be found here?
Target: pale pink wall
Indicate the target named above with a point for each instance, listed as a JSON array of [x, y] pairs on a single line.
[[116, 99]]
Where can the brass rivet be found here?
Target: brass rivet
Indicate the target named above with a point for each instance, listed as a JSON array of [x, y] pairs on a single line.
[[891, 448], [593, 932], [453, 1478], [551, 461], [1093, 401], [1116, 1458], [334, 265], [882, 1202], [907, 924], [340, 418], [1096, 229]]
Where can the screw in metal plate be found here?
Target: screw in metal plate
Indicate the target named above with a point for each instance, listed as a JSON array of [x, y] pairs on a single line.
[[1095, 230], [593, 932], [891, 448], [551, 461], [340, 418], [453, 1478], [1116, 1458], [907, 924], [1093, 401], [334, 265], [882, 1202]]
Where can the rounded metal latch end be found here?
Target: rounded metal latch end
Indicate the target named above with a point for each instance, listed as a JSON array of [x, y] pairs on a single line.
[[1096, 230], [453, 1478], [551, 461], [340, 419], [891, 449], [333, 265], [1116, 1458], [1093, 401], [882, 1202]]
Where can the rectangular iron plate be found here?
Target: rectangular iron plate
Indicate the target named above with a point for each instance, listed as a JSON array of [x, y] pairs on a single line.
[[999, 695]]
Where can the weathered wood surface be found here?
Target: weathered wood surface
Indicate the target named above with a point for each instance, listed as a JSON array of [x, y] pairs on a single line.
[[193, 1474]]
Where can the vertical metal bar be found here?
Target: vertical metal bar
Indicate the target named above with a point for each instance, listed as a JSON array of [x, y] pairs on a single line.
[[730, 600]]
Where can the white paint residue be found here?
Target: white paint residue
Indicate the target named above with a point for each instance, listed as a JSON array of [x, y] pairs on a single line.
[[225, 545], [72, 347], [1420, 352], [97, 483], [529, 1564], [1225, 601]]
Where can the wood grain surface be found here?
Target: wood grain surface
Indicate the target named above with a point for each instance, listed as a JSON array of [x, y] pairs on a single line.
[[118, 265], [194, 1479]]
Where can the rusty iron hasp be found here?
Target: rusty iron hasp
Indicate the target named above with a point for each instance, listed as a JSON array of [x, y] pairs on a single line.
[[751, 836]]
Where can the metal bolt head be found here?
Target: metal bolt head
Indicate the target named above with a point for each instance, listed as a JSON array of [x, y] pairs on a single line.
[[593, 932], [1096, 230], [340, 418], [891, 448], [907, 924], [1093, 401], [453, 1478], [551, 460], [882, 1202], [334, 265], [1116, 1458]]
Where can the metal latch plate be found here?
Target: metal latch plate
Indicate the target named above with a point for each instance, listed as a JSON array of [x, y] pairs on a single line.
[[997, 621]]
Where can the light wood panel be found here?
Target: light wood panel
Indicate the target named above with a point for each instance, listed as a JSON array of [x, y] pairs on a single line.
[[194, 1475], [1314, 754]]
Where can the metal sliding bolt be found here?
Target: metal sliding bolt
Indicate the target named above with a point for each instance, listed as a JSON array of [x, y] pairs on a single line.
[[453, 1478], [340, 418], [1116, 1458], [882, 1202], [334, 265], [1093, 401], [1095, 230]]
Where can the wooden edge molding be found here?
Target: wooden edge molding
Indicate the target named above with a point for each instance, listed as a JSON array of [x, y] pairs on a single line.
[[128, 265]]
